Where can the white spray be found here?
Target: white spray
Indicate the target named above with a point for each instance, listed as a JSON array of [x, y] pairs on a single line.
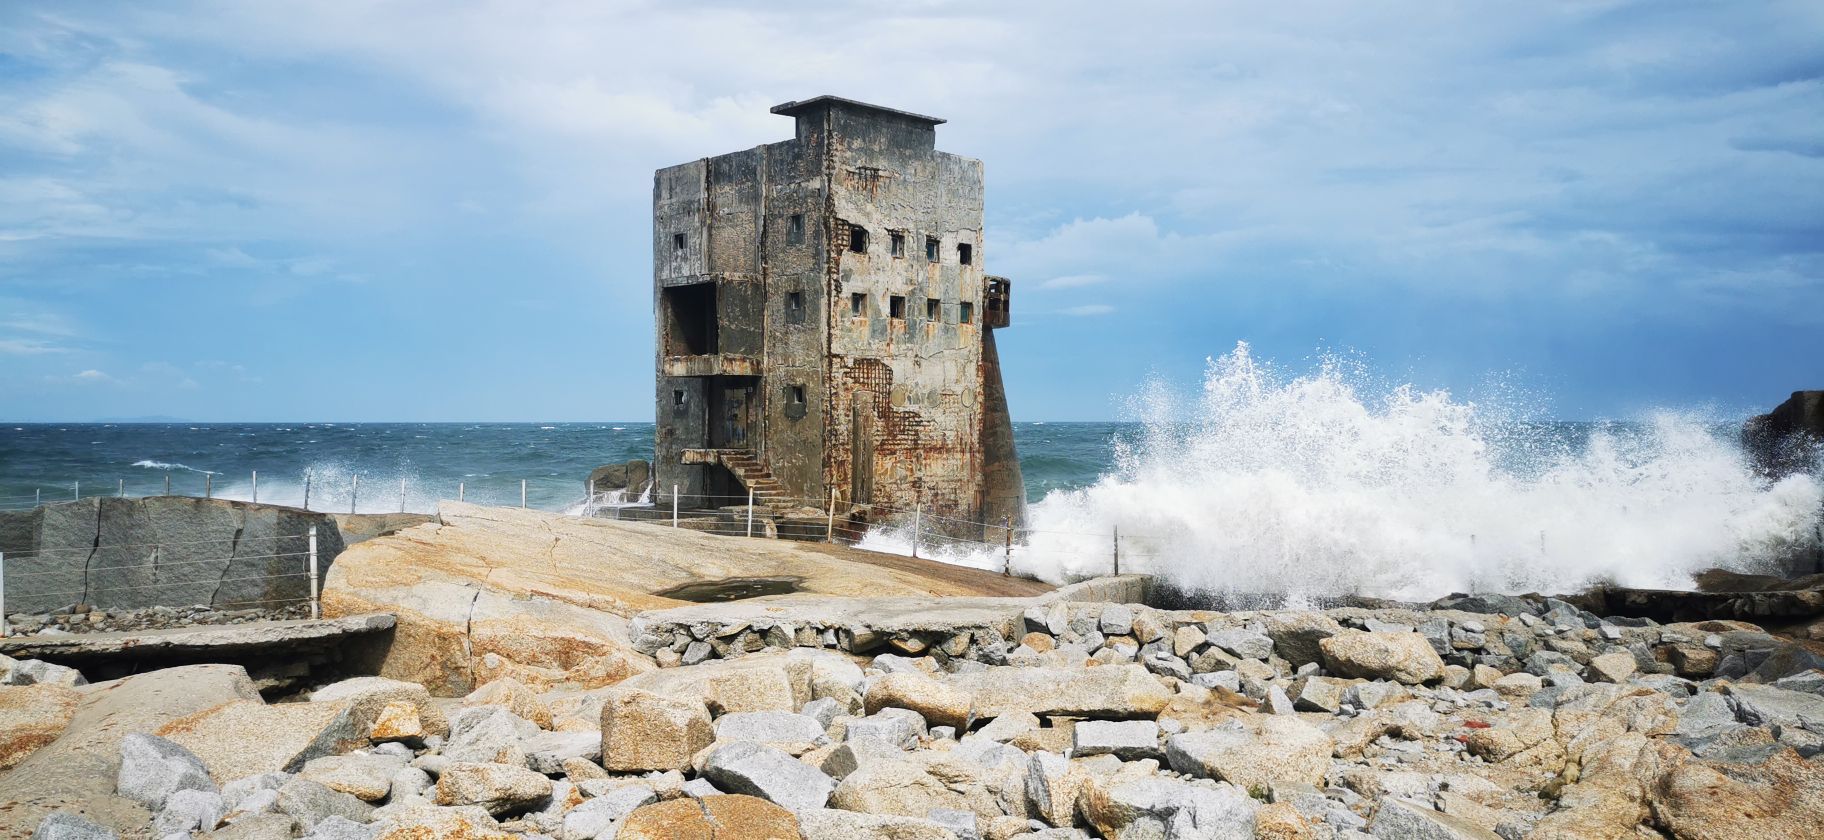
[[1302, 487]]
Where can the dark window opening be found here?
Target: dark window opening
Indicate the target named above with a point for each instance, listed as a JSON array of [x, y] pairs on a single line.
[[896, 306], [794, 307], [858, 304], [965, 313], [858, 239], [677, 399], [965, 254], [933, 309], [930, 249], [794, 233], [797, 395], [677, 242], [899, 243], [690, 319]]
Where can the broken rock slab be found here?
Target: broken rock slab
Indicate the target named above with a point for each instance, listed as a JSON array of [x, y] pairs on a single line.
[[77, 772]]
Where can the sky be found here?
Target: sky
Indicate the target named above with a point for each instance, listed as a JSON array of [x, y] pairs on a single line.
[[441, 210]]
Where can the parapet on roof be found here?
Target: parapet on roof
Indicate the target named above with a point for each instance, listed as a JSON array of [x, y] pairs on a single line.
[[804, 106]]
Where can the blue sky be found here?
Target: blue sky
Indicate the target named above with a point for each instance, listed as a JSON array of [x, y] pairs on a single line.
[[435, 210]]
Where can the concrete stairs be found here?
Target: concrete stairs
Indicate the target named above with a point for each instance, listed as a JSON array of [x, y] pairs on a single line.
[[756, 477]]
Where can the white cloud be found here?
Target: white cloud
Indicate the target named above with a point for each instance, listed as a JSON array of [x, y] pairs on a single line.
[[91, 376], [1088, 309], [28, 347], [1073, 281]]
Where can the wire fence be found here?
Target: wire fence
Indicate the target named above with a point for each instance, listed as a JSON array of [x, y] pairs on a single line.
[[24, 569]]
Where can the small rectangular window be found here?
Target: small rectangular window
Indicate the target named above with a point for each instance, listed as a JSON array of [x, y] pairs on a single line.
[[797, 395], [965, 253], [896, 306], [677, 399], [899, 243], [930, 249], [858, 239], [677, 242], [794, 233], [794, 307], [858, 304], [933, 308], [965, 313]]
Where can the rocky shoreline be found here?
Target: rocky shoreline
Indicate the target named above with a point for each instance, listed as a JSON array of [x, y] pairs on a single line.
[[1090, 720]]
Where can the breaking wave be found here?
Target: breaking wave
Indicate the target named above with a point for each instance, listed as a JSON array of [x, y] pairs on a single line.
[[1303, 486], [161, 465]]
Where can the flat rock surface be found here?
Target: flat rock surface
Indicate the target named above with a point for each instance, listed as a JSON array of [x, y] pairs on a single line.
[[226, 638]]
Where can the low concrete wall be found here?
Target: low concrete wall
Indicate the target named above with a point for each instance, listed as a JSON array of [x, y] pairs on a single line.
[[1114, 589], [160, 551]]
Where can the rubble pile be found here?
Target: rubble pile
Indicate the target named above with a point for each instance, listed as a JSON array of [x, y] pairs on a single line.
[[1525, 719], [88, 618]]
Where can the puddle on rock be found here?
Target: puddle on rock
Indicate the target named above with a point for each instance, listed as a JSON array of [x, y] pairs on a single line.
[[732, 589]]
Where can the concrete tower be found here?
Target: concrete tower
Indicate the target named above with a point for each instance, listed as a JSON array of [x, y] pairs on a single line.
[[825, 323]]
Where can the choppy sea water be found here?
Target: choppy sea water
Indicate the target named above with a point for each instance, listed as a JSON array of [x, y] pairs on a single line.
[[1301, 484]]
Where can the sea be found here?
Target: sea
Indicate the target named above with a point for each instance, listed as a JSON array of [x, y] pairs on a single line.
[[1304, 485]]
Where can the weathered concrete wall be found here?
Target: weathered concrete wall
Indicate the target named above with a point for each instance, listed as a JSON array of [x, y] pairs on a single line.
[[1004, 487], [913, 384], [160, 551]]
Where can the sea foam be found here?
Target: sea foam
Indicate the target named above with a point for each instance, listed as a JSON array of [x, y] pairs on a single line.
[[1303, 486]]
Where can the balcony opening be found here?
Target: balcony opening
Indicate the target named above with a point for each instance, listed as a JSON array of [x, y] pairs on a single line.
[[690, 319], [858, 304], [933, 309], [858, 239], [931, 249], [898, 240], [896, 307], [965, 254], [794, 232], [794, 307], [965, 313]]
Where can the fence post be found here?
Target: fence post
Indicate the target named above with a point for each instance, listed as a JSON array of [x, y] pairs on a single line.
[[76, 486], [1117, 551], [674, 505], [354, 492], [459, 490], [256, 487], [1007, 553], [120, 492], [401, 495], [39, 500], [5, 629], [592, 490], [307, 490], [209, 485], [167, 484], [522, 492], [829, 528], [917, 513], [315, 607], [750, 511]]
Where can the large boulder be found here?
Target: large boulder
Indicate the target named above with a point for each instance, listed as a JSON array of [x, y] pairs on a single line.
[[1109, 691], [1254, 752], [940, 703], [241, 738], [152, 769], [643, 731], [719, 817], [77, 772], [368, 697], [1402, 657], [774, 775], [32, 716], [496, 788]]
